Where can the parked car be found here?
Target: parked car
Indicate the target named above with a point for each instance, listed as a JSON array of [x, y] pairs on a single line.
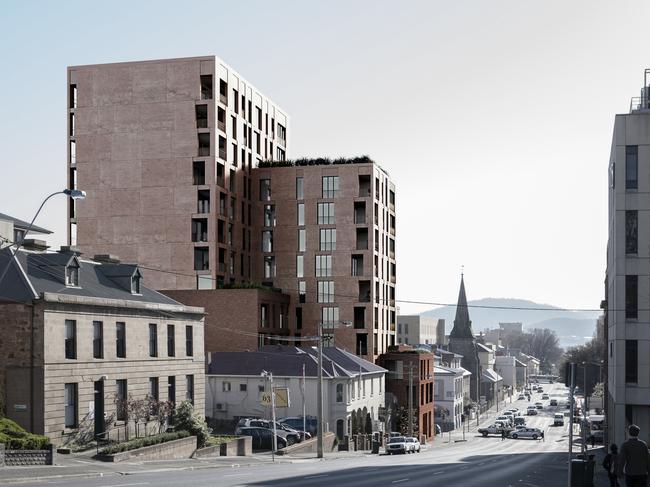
[[545, 396], [532, 411], [558, 419], [503, 424], [553, 402], [296, 423], [296, 436], [397, 444], [262, 438], [533, 433], [539, 405], [521, 397], [493, 429], [507, 419], [413, 444]]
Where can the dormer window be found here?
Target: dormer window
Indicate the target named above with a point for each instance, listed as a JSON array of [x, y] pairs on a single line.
[[72, 273], [135, 282]]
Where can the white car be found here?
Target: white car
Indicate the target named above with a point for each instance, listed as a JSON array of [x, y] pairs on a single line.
[[506, 419], [397, 444], [413, 444], [533, 433], [521, 397]]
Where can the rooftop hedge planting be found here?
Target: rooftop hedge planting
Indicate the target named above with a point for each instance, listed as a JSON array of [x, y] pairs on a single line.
[[317, 161]]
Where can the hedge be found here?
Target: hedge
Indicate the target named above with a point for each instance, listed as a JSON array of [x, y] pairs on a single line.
[[16, 438], [142, 442], [318, 161]]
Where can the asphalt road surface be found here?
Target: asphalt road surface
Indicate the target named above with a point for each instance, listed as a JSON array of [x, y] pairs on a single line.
[[477, 462]]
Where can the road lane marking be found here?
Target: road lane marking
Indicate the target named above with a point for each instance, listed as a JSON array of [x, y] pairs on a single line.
[[127, 485], [238, 475], [436, 473], [315, 476], [400, 480]]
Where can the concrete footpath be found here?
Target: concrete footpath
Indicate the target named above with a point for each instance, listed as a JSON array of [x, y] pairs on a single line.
[[82, 465]]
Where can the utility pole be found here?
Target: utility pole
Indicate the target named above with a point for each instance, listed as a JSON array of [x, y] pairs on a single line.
[[584, 410], [572, 379], [410, 402], [304, 417], [319, 401]]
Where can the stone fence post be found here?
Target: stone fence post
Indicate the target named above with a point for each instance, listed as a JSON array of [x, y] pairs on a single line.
[[2, 454]]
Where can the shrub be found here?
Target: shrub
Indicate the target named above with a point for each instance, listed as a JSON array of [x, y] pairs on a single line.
[[16, 438], [186, 419], [142, 442]]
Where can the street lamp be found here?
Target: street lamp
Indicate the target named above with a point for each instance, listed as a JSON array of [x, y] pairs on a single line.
[[319, 399], [75, 194]]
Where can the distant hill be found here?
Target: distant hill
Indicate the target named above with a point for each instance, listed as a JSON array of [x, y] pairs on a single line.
[[572, 327]]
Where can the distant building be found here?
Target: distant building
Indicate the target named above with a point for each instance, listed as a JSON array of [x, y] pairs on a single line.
[[448, 397], [353, 392], [416, 329], [14, 230], [80, 335], [506, 367], [407, 366], [441, 339]]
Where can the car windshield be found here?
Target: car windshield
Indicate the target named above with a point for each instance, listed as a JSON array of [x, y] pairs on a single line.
[[397, 439]]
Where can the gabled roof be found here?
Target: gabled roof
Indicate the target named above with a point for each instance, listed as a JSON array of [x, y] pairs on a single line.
[[23, 225], [483, 348], [520, 364], [462, 324], [285, 361], [32, 273], [489, 375]]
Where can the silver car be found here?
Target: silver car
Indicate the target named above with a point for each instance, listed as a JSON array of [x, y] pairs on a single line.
[[413, 444], [397, 444], [533, 433]]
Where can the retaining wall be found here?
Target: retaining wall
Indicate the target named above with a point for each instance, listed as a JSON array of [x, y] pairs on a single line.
[[171, 450], [17, 458], [239, 447], [310, 446]]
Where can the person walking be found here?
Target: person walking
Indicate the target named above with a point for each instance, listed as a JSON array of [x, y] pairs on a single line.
[[593, 441], [633, 460], [503, 434], [609, 464]]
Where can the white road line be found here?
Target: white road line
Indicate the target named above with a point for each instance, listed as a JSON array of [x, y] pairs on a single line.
[[238, 475], [436, 473], [127, 485], [398, 481], [315, 476]]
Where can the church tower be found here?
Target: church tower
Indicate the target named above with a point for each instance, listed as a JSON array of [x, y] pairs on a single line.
[[463, 342]]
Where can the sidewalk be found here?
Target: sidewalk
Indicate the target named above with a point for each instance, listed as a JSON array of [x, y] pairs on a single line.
[[82, 465]]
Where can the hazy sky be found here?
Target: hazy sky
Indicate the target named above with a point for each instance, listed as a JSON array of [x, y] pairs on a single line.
[[494, 118]]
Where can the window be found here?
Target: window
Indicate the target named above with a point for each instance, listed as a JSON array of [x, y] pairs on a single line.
[[326, 213], [171, 340], [269, 267], [198, 172], [300, 266], [269, 215], [323, 265], [189, 388], [153, 340], [98, 339], [171, 389], [339, 392], [72, 274], [631, 361], [330, 316], [267, 241], [204, 144], [154, 388], [189, 341], [135, 282], [70, 405], [70, 339], [328, 239], [201, 259], [225, 386], [73, 96], [631, 296], [631, 167], [301, 213], [631, 231], [264, 315], [302, 292], [298, 318], [120, 340], [265, 189], [357, 265], [325, 291], [330, 186], [300, 191], [206, 87], [120, 399], [302, 239]]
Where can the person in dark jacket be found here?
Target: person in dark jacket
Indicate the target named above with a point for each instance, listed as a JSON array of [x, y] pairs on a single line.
[[609, 464], [634, 460]]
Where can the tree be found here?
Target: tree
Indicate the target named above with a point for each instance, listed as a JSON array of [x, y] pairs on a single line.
[[194, 423], [542, 344]]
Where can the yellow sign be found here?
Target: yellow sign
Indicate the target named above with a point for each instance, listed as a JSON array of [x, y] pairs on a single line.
[[265, 398], [281, 397]]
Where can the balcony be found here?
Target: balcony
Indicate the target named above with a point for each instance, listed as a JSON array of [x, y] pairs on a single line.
[[364, 291], [360, 212], [362, 239], [365, 190]]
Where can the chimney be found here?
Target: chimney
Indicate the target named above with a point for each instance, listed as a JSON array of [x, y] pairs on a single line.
[[35, 244], [69, 249], [106, 258]]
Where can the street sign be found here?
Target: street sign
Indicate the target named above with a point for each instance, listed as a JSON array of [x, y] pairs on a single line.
[[265, 398], [281, 397]]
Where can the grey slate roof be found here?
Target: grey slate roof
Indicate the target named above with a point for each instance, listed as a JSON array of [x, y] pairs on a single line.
[[23, 225], [33, 273], [285, 361]]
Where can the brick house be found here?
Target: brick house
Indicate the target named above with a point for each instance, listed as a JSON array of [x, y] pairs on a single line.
[[77, 334]]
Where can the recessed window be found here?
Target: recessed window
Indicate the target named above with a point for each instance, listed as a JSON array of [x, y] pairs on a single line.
[[631, 361], [328, 239], [98, 339], [120, 340], [330, 316], [121, 395], [302, 239], [204, 144], [267, 241], [72, 274], [323, 265], [206, 87], [325, 291], [269, 215], [243, 387], [225, 386], [631, 231], [201, 259], [154, 388], [171, 389], [70, 339], [198, 172], [631, 296], [326, 213], [135, 282], [153, 340], [330, 186], [631, 167], [300, 189], [300, 266], [265, 189], [171, 341], [189, 388], [269, 267], [301, 213], [189, 341], [71, 405]]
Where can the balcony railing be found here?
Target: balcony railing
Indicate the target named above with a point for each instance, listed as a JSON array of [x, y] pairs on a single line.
[[222, 154], [364, 297], [223, 98], [204, 151], [222, 126], [203, 206]]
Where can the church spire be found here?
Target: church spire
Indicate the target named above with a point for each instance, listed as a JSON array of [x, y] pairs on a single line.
[[462, 324]]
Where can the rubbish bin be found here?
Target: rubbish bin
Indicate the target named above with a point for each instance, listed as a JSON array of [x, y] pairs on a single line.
[[582, 472], [375, 447]]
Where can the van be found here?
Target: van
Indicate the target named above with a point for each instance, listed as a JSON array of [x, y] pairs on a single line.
[[558, 419]]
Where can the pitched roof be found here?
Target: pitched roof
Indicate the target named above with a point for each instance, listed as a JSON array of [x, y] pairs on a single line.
[[23, 225], [489, 375], [462, 324], [483, 347], [286, 361], [32, 273]]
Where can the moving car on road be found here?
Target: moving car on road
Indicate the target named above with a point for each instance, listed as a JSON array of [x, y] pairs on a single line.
[[520, 420], [521, 397], [505, 418], [558, 419], [533, 433], [493, 429], [545, 396], [553, 402], [532, 411], [539, 405]]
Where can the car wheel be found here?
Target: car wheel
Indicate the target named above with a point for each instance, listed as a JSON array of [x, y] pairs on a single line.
[[484, 434], [514, 436], [290, 440], [534, 437], [418, 450]]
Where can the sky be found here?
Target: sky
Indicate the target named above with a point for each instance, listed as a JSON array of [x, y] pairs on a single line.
[[494, 119]]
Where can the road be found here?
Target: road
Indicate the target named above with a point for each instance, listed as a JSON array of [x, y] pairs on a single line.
[[476, 462]]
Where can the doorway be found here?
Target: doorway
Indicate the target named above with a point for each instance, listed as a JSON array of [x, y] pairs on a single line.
[[99, 408]]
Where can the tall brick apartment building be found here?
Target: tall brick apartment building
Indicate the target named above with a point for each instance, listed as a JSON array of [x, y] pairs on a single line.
[[173, 157]]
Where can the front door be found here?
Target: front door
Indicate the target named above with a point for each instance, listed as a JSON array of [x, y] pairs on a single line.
[[99, 407]]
